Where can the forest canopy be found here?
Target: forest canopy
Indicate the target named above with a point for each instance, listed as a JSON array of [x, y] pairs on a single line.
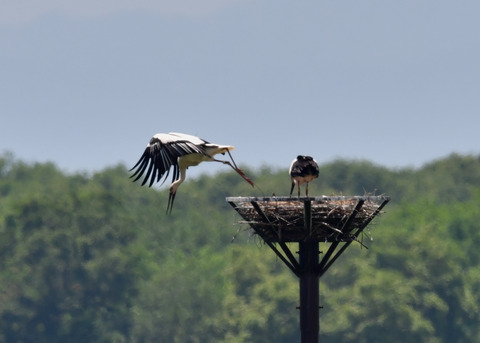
[[94, 258]]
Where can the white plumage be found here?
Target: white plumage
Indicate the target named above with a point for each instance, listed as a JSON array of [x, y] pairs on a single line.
[[180, 151]]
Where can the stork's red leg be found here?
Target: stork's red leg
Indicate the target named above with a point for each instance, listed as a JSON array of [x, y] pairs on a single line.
[[291, 189]]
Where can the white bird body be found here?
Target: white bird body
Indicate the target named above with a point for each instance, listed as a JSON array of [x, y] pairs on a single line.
[[172, 137], [180, 151], [303, 169], [192, 160], [211, 150]]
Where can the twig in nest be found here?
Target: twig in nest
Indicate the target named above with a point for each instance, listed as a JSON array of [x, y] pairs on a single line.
[[360, 242], [235, 235], [331, 227]]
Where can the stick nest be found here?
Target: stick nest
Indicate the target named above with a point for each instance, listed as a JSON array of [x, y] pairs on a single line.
[[282, 219]]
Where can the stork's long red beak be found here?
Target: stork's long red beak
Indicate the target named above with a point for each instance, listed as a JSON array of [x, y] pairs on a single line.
[[242, 174], [239, 171], [171, 198]]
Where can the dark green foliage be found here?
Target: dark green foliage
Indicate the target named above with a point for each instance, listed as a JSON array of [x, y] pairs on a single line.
[[94, 258], [70, 259]]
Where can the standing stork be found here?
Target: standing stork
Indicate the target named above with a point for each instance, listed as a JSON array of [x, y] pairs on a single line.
[[180, 151], [302, 170]]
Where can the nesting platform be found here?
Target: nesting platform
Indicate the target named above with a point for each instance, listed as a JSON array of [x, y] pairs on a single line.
[[333, 218], [308, 221]]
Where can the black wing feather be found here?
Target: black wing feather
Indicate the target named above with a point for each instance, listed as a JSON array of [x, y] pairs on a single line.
[[159, 157], [304, 165], [149, 171], [142, 165]]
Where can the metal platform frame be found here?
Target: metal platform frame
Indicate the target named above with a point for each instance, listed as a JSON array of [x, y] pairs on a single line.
[[338, 220]]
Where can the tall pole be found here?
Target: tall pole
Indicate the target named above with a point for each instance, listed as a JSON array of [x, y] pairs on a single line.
[[309, 282]]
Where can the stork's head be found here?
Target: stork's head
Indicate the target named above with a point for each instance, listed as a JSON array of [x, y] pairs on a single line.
[[213, 149], [304, 158]]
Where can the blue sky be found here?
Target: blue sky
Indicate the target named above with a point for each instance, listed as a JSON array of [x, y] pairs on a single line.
[[85, 84]]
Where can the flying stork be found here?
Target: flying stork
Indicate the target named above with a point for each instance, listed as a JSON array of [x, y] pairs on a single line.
[[302, 170], [180, 151]]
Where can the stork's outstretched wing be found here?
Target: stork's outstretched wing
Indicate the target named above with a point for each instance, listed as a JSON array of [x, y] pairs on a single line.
[[161, 153]]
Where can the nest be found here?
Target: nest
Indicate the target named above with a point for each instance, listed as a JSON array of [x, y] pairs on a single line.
[[323, 219]]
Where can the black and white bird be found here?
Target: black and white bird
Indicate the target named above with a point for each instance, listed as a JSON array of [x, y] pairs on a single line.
[[180, 151], [303, 169]]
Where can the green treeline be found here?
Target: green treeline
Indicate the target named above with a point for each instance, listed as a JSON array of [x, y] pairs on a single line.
[[94, 258]]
